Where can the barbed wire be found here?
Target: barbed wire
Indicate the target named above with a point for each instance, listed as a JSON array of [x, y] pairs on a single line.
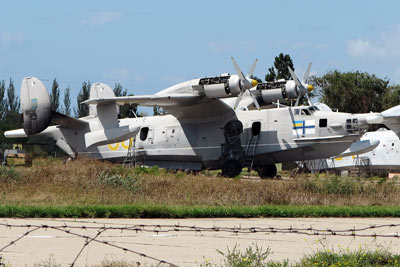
[[167, 228]]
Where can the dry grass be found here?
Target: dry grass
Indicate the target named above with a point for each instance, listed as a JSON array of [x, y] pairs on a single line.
[[87, 182]]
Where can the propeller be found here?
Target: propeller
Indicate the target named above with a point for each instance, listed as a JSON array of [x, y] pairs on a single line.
[[246, 83], [304, 88]]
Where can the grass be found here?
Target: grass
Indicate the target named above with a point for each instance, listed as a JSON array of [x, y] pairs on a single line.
[[255, 256], [90, 188], [162, 211]]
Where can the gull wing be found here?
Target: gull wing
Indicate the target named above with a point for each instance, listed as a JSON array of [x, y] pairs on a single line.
[[181, 105]]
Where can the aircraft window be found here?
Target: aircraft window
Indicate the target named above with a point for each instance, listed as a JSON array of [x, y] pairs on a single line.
[[143, 133], [311, 108], [392, 144], [173, 130], [323, 123], [297, 112], [305, 112], [256, 128], [355, 121]]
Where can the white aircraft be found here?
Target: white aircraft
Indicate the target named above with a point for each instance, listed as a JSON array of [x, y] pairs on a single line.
[[380, 154], [203, 129]]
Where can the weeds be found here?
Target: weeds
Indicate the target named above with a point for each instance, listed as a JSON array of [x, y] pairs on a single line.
[[253, 256], [93, 182], [115, 179], [50, 262], [10, 174]]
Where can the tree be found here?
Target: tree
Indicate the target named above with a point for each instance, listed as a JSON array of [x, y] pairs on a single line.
[[12, 99], [281, 64], [352, 92], [392, 97], [67, 101], [126, 111], [3, 102], [55, 96], [83, 109]]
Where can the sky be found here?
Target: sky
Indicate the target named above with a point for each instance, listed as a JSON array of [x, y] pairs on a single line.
[[148, 46]]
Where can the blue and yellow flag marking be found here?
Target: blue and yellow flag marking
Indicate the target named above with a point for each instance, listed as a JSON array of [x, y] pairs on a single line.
[[304, 127]]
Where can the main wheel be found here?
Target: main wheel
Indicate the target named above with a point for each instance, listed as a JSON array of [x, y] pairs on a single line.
[[267, 171], [231, 168]]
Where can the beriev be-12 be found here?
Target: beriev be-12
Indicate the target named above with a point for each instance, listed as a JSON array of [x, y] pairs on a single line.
[[203, 127]]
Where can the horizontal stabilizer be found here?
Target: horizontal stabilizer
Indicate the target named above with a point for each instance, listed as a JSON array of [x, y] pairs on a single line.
[[18, 133], [66, 121], [110, 135]]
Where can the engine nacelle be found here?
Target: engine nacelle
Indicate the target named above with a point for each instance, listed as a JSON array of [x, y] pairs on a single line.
[[288, 90], [35, 106], [221, 87]]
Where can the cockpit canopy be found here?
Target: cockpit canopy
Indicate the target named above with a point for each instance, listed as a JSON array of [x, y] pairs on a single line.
[[305, 110]]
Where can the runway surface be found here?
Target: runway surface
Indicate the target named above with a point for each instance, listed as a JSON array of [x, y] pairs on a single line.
[[63, 239]]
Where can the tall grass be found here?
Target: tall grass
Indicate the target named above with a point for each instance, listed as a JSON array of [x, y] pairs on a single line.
[[92, 182]]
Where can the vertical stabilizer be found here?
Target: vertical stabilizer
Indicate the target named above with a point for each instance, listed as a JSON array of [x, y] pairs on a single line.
[[35, 106], [106, 113]]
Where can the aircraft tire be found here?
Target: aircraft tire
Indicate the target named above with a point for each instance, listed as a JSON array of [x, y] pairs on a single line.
[[231, 168], [267, 171]]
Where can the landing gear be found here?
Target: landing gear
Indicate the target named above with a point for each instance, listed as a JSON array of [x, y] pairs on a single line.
[[231, 168], [266, 171]]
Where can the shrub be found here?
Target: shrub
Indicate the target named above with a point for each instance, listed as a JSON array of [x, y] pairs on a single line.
[[253, 256], [10, 174], [113, 178]]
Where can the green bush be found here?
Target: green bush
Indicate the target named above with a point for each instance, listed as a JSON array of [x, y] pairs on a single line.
[[10, 174], [334, 185], [113, 178], [361, 257], [253, 256]]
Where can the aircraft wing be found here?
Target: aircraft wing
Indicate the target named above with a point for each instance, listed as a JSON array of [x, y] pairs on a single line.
[[182, 105]]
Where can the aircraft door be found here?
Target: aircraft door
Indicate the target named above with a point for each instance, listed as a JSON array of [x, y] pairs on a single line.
[[323, 127]]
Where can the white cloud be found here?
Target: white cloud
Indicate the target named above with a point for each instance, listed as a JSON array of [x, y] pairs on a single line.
[[12, 38], [100, 18], [382, 47]]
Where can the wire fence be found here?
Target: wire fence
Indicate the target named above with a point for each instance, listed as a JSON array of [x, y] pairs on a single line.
[[176, 228]]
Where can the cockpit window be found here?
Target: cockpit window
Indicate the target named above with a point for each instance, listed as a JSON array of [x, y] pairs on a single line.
[[305, 111], [297, 112]]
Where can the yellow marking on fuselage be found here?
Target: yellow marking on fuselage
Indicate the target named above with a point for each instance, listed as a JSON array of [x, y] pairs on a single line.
[[113, 148]]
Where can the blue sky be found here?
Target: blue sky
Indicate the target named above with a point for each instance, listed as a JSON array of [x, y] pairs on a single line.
[[150, 45]]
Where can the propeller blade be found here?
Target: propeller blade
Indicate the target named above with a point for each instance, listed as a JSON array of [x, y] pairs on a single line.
[[239, 97], [297, 81], [309, 100], [253, 67], [238, 71], [297, 100], [307, 73], [255, 101]]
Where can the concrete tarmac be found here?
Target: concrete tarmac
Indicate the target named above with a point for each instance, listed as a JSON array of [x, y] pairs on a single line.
[[191, 248]]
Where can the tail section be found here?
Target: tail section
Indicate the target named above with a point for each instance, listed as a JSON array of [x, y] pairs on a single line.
[[35, 106], [106, 129], [106, 113]]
